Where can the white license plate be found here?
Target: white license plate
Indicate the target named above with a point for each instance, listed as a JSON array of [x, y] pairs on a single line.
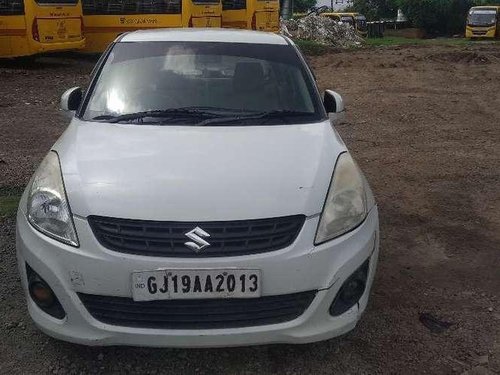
[[195, 284]]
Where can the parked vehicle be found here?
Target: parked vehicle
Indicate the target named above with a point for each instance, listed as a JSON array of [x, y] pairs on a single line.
[[356, 20], [199, 197], [28, 27], [260, 15], [106, 19], [340, 18], [361, 24], [483, 22]]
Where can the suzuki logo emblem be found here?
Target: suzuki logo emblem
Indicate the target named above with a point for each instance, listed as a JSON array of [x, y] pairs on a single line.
[[198, 243]]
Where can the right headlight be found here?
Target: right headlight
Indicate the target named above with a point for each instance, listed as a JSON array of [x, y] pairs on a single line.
[[48, 207], [347, 202]]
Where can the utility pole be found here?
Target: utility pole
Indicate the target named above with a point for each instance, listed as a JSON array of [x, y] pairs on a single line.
[[286, 7]]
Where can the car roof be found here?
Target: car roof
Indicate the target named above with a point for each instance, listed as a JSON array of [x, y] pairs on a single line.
[[203, 35]]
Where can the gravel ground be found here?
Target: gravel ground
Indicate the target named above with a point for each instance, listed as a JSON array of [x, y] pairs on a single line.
[[423, 123]]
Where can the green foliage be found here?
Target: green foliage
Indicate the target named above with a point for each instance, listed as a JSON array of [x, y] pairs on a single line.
[[8, 205], [300, 6], [374, 10], [401, 41], [486, 2], [9, 200], [311, 48], [436, 17]]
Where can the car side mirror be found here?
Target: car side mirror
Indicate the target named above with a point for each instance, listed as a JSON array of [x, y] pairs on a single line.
[[334, 105], [71, 99]]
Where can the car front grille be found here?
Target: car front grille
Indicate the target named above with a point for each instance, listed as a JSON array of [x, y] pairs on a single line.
[[167, 239], [197, 313]]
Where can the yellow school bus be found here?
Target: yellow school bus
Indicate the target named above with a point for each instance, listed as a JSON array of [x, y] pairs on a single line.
[[251, 14], [360, 24], [356, 20], [340, 17], [104, 20], [483, 22], [28, 27]]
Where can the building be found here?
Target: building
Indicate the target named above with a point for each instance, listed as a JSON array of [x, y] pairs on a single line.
[[335, 4]]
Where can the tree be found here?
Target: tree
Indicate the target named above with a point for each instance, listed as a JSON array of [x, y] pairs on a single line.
[[301, 6], [486, 2], [374, 9], [439, 17], [436, 17]]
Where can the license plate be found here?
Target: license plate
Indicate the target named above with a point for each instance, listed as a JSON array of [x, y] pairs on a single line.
[[53, 30], [195, 284]]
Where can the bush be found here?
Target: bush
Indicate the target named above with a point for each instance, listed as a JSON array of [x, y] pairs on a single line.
[[436, 17], [311, 48], [301, 6], [440, 17], [374, 10]]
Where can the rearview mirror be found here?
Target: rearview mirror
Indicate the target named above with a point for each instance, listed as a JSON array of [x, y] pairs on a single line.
[[71, 99], [334, 105]]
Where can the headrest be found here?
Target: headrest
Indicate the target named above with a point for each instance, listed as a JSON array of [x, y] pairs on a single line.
[[248, 76]]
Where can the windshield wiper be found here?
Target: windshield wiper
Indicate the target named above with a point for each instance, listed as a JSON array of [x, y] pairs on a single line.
[[281, 115], [160, 113]]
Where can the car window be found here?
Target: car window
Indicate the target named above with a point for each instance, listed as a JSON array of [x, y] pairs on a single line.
[[246, 78]]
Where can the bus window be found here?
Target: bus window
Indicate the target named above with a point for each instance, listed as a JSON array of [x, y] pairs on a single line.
[[11, 8], [347, 19], [117, 7], [234, 4], [482, 17], [251, 14], [361, 25], [70, 2], [11, 13]]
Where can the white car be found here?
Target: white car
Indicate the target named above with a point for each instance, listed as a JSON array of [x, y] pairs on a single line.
[[200, 197]]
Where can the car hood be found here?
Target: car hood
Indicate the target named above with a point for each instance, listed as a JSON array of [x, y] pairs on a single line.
[[187, 173]]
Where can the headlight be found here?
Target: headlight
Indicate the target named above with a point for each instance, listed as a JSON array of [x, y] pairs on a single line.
[[48, 208], [346, 204]]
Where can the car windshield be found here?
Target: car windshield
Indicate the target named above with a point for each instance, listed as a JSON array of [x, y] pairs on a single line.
[[347, 19], [191, 83], [361, 22], [482, 17]]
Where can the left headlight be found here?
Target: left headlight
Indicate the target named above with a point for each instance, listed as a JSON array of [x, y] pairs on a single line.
[[347, 203], [48, 208]]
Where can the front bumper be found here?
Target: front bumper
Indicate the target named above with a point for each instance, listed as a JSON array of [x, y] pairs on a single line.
[[480, 32], [59, 46], [93, 269]]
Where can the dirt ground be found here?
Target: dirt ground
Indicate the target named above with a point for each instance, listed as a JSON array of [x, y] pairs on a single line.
[[423, 123]]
